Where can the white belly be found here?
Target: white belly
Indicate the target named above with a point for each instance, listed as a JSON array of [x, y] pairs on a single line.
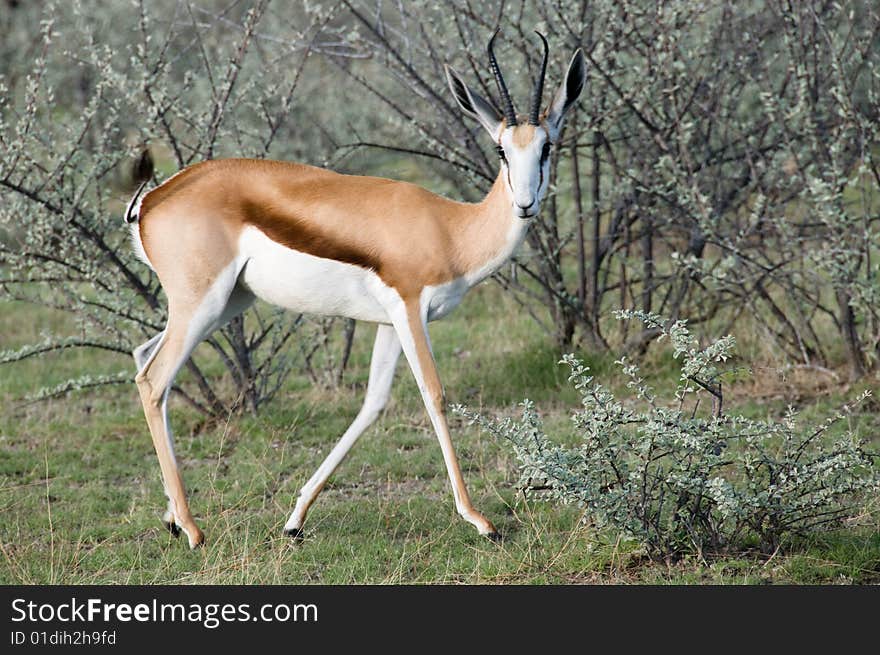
[[305, 283]]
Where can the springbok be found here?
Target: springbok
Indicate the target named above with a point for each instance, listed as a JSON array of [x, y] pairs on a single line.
[[221, 233]]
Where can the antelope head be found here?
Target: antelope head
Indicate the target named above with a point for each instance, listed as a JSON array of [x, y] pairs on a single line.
[[523, 143]]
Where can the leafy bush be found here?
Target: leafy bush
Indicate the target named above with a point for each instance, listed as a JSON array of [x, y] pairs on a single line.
[[722, 163], [683, 483], [83, 86]]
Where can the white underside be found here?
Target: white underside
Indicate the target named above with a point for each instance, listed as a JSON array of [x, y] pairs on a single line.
[[289, 278]]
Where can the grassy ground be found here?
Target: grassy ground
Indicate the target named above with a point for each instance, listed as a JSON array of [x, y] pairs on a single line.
[[81, 497]]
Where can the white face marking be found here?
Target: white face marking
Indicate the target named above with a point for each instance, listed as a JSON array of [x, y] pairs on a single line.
[[526, 171]]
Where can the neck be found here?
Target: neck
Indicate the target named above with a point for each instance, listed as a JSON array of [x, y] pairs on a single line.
[[490, 234]]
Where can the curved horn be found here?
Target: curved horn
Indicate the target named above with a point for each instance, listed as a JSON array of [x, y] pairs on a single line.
[[538, 91], [506, 103]]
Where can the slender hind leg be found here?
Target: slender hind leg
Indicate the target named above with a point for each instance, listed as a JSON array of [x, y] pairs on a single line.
[[386, 352], [141, 356], [154, 382], [238, 301], [189, 322]]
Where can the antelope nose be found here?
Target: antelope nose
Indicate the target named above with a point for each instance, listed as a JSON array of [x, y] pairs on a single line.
[[525, 210]]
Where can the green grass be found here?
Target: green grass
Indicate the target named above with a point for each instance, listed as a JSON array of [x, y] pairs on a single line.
[[81, 496]]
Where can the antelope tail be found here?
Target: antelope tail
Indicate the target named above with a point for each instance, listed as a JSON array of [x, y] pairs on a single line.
[[142, 172]]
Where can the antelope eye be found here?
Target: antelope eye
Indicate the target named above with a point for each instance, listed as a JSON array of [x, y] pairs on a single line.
[[500, 152], [545, 151]]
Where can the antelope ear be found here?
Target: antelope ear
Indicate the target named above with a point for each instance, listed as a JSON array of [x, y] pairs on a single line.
[[568, 92], [472, 104]]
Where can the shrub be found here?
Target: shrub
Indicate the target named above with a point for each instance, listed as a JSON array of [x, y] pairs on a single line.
[[682, 483], [83, 86]]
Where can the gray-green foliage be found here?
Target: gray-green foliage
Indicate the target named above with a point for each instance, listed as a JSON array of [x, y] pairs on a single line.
[[721, 162], [88, 86], [680, 482]]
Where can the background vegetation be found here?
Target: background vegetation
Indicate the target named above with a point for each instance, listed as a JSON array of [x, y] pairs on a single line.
[[720, 168]]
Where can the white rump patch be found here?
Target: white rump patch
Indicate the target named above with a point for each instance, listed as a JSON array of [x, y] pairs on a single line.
[[138, 245]]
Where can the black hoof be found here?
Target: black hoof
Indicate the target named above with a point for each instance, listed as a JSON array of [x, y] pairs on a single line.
[[296, 534], [494, 536], [171, 526]]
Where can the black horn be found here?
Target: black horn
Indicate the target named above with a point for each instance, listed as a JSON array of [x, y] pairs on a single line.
[[538, 91], [506, 103]]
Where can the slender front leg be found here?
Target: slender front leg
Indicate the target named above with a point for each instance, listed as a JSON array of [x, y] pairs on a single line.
[[386, 352], [410, 321]]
